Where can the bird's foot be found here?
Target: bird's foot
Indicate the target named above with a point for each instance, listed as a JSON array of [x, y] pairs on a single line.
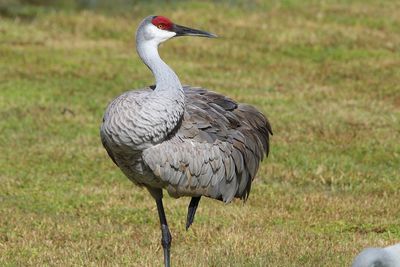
[[166, 244]]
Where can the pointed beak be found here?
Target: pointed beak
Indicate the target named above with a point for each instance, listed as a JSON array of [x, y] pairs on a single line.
[[185, 31]]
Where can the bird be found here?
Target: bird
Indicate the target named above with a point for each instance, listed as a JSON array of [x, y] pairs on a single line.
[[379, 257], [186, 140]]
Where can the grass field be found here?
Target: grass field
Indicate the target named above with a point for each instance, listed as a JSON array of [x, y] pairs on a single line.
[[326, 74]]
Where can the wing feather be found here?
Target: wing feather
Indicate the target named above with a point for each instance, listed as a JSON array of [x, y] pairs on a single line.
[[216, 150]]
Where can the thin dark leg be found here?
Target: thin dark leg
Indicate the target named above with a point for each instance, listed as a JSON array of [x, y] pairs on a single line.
[[192, 211], [165, 234]]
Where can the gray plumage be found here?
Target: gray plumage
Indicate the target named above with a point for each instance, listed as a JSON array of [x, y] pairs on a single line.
[[213, 149], [378, 257], [187, 140]]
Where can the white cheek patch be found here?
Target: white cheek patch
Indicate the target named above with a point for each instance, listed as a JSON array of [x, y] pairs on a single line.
[[158, 35]]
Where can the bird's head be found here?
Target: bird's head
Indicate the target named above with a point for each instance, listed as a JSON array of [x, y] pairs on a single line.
[[159, 29]]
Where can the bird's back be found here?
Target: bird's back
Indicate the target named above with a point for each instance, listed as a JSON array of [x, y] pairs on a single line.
[[216, 149], [378, 257]]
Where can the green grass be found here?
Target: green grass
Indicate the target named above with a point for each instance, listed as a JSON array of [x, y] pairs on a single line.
[[326, 74]]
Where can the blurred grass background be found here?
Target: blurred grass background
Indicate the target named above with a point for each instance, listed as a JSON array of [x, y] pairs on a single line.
[[325, 72]]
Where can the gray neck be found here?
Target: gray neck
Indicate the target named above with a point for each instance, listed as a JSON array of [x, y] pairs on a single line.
[[166, 79], [162, 111]]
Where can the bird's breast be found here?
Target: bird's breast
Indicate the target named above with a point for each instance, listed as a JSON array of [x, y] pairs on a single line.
[[134, 122]]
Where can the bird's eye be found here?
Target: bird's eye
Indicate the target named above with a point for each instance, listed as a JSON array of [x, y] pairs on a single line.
[[161, 26]]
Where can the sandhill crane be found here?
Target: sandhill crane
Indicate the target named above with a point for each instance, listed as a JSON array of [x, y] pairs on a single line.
[[187, 140], [378, 257]]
